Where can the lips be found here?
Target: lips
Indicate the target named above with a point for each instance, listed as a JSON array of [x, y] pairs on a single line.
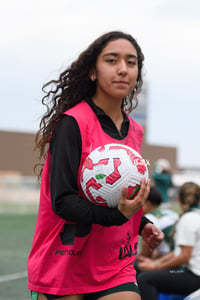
[[121, 82]]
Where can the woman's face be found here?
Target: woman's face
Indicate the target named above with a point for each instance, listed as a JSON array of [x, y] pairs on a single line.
[[116, 69]]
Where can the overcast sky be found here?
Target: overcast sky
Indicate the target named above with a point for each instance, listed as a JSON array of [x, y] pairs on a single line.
[[39, 38]]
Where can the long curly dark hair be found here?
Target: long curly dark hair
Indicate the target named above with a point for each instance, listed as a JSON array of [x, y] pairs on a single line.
[[74, 84]]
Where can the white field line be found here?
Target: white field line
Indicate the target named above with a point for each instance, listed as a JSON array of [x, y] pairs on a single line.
[[14, 276]]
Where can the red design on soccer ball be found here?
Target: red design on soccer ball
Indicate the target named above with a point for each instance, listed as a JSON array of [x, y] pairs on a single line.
[[114, 176], [88, 164], [101, 148], [141, 168], [133, 191], [137, 161], [94, 184]]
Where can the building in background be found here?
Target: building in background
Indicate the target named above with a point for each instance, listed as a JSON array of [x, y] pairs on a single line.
[[149, 151], [17, 154]]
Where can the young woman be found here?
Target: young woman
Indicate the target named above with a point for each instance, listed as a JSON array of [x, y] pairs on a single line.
[[178, 272], [80, 249]]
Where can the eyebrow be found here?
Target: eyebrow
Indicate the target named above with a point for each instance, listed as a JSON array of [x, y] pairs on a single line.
[[116, 54]]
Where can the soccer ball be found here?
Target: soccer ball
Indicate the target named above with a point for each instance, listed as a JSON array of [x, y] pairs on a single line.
[[107, 169]]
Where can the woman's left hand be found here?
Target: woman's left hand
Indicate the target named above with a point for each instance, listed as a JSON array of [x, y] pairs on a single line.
[[152, 235]]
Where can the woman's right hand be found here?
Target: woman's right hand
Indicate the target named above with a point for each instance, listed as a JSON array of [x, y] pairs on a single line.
[[128, 207]]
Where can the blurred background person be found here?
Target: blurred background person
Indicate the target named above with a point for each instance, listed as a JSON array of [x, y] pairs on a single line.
[[177, 272], [162, 179], [162, 218]]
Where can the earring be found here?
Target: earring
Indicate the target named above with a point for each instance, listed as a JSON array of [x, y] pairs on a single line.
[[93, 77]]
